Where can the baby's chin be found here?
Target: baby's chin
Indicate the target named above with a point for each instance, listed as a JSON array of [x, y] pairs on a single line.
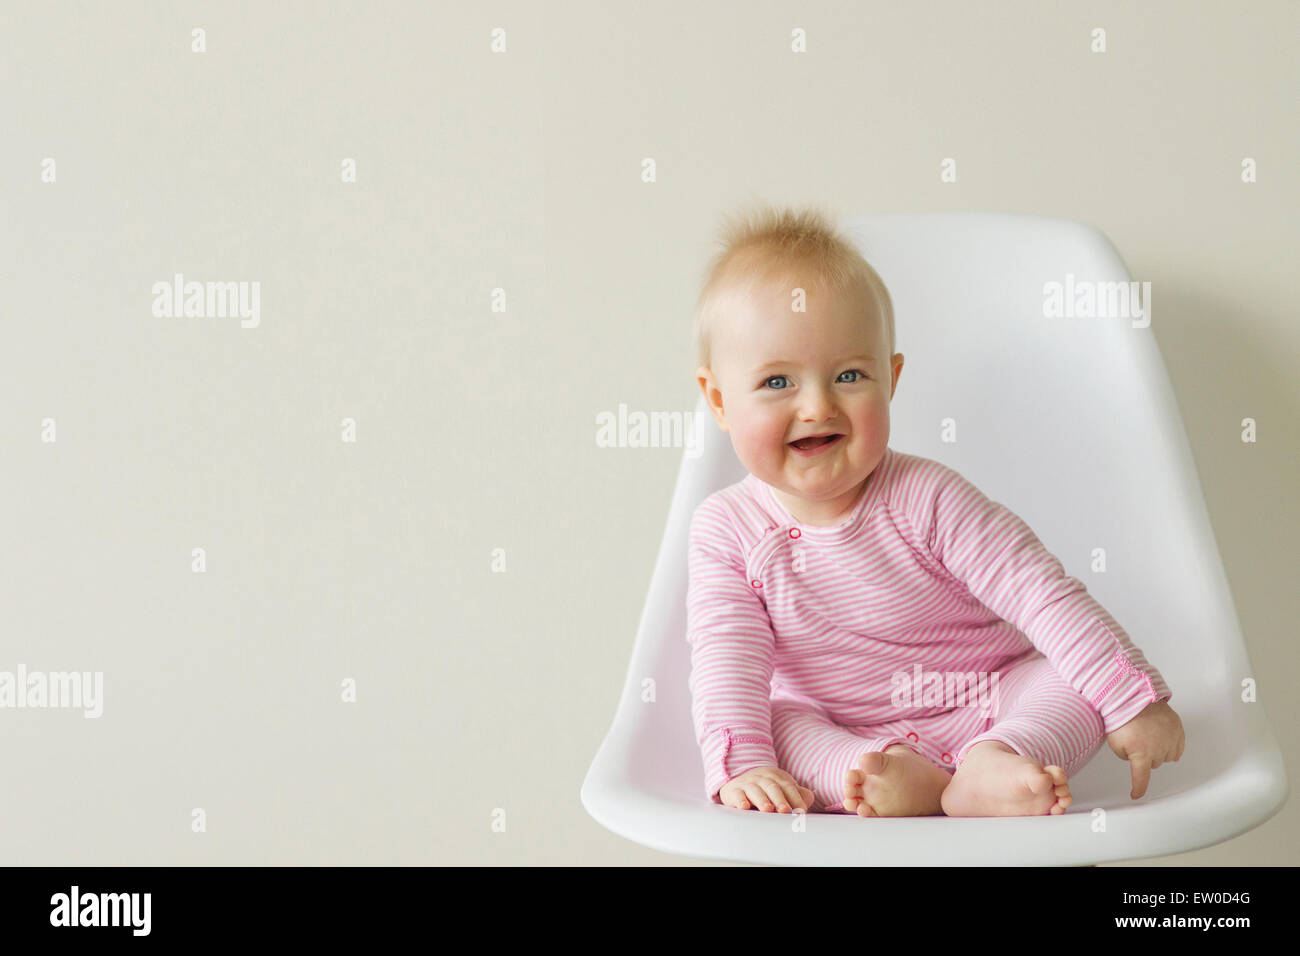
[[818, 492], [814, 487], [796, 478]]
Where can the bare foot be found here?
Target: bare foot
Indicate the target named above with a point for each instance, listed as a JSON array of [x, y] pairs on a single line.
[[995, 781], [896, 783]]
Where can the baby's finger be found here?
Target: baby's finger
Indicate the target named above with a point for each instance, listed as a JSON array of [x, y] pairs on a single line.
[[758, 797], [773, 789], [791, 790], [1141, 769]]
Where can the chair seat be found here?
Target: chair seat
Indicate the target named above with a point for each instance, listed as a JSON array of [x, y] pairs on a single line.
[[1070, 421]]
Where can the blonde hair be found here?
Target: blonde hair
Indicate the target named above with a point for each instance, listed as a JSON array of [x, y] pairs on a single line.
[[765, 244]]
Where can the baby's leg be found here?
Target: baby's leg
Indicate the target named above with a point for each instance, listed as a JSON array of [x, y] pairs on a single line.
[[876, 775], [1044, 731]]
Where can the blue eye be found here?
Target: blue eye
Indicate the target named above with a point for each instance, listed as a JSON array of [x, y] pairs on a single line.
[[857, 373]]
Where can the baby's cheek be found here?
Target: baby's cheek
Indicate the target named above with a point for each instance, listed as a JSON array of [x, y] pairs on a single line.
[[763, 438], [758, 444]]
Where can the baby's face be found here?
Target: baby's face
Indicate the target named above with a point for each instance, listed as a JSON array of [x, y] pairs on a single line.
[[779, 376]]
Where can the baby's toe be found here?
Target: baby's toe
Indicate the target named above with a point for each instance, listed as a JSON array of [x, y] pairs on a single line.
[[1037, 781], [873, 762], [1061, 788], [852, 790]]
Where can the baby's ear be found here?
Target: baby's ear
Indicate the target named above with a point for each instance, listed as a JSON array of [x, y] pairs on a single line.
[[709, 387], [896, 370]]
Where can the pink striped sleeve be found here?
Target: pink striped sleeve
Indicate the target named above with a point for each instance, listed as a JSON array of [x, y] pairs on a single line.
[[1002, 562], [732, 653]]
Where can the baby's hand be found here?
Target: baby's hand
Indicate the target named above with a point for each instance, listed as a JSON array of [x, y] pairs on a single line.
[[768, 789], [1152, 737]]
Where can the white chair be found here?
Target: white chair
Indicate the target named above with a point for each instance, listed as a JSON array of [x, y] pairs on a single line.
[[1071, 423]]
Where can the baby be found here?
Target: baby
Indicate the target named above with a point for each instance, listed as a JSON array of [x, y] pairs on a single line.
[[848, 603]]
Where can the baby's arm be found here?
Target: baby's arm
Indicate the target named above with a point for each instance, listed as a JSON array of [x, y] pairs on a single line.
[[732, 655], [990, 549]]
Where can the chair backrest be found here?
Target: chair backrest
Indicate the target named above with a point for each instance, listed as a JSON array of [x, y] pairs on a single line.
[[1069, 420]]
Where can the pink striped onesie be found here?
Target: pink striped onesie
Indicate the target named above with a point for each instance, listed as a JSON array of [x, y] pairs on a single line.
[[931, 617]]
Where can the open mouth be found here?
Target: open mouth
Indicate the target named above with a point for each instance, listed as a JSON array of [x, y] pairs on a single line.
[[815, 441]]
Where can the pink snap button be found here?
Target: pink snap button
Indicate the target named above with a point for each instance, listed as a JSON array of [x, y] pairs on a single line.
[[794, 532], [947, 758], [913, 737], [756, 583]]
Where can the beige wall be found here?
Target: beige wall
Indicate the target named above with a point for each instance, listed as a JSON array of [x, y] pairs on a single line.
[[520, 170]]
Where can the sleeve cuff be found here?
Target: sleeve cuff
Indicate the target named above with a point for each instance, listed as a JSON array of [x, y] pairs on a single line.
[[1128, 692], [729, 753]]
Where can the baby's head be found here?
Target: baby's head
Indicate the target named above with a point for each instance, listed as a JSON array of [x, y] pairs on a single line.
[[794, 335]]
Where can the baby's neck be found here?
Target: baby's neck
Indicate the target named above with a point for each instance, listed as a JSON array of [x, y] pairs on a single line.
[[821, 514]]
